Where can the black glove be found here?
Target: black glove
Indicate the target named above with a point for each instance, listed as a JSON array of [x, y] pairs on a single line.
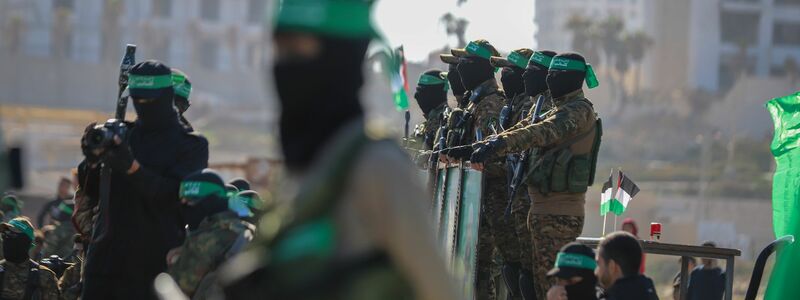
[[120, 157], [486, 150], [91, 158], [460, 152]]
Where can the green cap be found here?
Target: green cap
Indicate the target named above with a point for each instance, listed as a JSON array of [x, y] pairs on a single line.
[[517, 58], [22, 225], [337, 18], [563, 63], [477, 48], [573, 260], [448, 59]]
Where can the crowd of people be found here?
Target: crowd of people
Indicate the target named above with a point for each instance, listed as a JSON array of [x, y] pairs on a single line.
[[356, 223]]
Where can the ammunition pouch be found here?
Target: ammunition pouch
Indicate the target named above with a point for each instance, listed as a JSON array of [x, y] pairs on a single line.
[[568, 167]]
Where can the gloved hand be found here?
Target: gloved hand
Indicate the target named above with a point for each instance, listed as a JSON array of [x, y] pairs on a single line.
[[460, 152], [484, 151], [92, 155], [120, 157]]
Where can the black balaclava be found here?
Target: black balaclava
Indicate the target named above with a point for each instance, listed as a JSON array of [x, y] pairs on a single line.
[[474, 71], [240, 183], [455, 81], [318, 96], [562, 82], [205, 207], [430, 96], [158, 114], [584, 289], [535, 76], [16, 247], [511, 77]]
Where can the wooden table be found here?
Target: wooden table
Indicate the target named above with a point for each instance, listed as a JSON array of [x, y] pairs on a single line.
[[686, 251]]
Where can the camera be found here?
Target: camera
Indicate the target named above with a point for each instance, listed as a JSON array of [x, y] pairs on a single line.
[[55, 264], [102, 135]]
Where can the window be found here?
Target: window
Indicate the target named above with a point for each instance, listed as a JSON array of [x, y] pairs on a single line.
[[739, 27], [786, 34], [255, 11], [162, 8], [209, 10], [731, 66]]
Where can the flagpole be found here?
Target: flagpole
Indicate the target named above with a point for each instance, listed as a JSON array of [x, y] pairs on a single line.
[[605, 216], [604, 225], [618, 187]]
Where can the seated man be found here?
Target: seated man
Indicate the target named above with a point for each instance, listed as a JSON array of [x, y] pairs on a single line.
[[574, 273], [619, 256]]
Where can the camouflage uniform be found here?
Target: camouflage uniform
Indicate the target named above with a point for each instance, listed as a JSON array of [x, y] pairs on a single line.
[[15, 281], [69, 283], [426, 134], [555, 218], [484, 108], [59, 239], [206, 248]]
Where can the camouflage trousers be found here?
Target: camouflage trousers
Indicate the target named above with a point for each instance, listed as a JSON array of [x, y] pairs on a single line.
[[504, 234], [485, 264], [549, 233], [519, 210]]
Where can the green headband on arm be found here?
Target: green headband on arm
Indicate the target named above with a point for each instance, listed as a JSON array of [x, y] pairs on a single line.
[[518, 60], [572, 260], [478, 50], [23, 227], [541, 58], [149, 82], [561, 63], [200, 189]]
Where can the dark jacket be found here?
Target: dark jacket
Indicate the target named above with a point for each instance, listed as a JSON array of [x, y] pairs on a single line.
[[706, 284], [143, 214], [636, 287], [51, 209]]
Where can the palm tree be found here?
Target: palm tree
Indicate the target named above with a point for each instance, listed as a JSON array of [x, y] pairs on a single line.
[[637, 43], [455, 27], [580, 27], [610, 31]]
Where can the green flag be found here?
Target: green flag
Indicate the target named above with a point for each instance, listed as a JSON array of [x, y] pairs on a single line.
[[785, 147], [395, 68]]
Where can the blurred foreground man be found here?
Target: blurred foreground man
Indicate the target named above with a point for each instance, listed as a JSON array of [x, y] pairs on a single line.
[[574, 273], [561, 170], [20, 277], [142, 220], [358, 227]]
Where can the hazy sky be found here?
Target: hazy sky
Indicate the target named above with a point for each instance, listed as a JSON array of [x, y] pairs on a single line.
[[507, 24]]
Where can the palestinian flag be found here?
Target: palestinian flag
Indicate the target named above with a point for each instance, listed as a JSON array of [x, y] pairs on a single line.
[[625, 192], [607, 200], [398, 78]]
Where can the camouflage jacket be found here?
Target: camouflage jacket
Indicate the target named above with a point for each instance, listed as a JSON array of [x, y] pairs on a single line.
[[480, 118], [426, 133], [205, 249], [571, 115], [527, 107], [15, 281]]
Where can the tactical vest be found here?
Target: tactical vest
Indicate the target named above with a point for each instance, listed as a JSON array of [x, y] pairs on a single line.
[[567, 167], [31, 287], [302, 263]]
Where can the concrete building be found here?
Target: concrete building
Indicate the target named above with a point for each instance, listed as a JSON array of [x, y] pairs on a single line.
[[218, 43]]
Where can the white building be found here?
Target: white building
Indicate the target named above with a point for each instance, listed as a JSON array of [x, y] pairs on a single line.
[[218, 43]]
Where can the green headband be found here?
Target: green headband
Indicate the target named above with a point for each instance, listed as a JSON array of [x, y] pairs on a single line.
[[180, 86], [22, 226], [346, 18], [149, 82], [10, 201], [201, 189], [572, 260], [541, 58], [562, 63], [478, 50], [518, 59]]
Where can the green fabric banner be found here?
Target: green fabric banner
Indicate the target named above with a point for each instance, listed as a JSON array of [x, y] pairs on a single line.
[[785, 147]]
